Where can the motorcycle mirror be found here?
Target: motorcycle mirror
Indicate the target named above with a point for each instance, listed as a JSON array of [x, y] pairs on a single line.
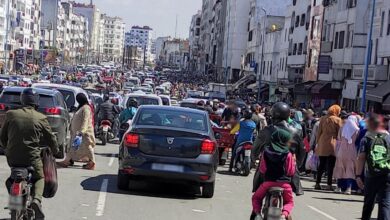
[[217, 136]]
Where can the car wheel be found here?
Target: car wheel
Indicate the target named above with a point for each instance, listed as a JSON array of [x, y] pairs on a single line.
[[123, 181], [208, 190]]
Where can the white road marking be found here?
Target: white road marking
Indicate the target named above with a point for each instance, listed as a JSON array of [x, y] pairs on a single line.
[[111, 160], [321, 212], [198, 210], [102, 198]]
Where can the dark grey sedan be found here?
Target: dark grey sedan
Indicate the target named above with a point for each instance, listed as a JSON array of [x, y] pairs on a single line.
[[169, 143]]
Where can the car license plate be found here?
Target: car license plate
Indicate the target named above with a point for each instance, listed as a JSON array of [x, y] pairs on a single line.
[[105, 129], [247, 153], [15, 200], [168, 167]]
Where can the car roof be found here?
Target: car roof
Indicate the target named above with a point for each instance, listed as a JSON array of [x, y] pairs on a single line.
[[173, 108], [142, 95], [47, 92], [60, 86]]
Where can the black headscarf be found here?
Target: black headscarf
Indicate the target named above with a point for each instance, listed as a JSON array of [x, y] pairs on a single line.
[[82, 100]]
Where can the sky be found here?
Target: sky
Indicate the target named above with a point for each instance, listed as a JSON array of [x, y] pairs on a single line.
[[158, 14]]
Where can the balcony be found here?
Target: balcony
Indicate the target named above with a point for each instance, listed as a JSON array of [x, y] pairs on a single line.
[[375, 73]]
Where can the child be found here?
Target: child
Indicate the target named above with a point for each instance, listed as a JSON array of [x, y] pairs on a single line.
[[277, 166]]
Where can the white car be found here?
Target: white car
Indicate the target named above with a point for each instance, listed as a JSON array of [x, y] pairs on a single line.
[[142, 99]]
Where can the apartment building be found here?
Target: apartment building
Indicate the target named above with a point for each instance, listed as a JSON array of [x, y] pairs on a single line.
[[194, 37], [141, 37], [113, 38]]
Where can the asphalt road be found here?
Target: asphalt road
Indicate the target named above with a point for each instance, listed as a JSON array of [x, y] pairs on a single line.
[[86, 194]]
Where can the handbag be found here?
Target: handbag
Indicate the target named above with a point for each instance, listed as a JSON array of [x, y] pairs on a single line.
[[50, 173]]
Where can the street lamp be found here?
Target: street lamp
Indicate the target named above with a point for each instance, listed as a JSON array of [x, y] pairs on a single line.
[[262, 55], [368, 56]]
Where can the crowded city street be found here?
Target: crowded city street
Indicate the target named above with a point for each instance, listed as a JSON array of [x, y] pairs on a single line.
[[195, 109], [94, 195]]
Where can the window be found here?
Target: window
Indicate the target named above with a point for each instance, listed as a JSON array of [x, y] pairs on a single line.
[[270, 69], [300, 48], [388, 23], [303, 19], [336, 40], [250, 36], [341, 39], [295, 49], [297, 21], [294, 2], [349, 39], [305, 46], [310, 57], [382, 23]]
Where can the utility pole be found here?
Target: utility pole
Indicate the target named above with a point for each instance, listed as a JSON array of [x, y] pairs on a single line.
[[262, 54], [144, 57], [7, 19], [368, 58]]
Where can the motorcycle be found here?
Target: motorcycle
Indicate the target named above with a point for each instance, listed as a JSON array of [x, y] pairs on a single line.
[[273, 205], [242, 160], [20, 194], [105, 131]]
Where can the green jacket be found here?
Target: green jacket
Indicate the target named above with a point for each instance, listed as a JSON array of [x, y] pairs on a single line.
[[22, 134]]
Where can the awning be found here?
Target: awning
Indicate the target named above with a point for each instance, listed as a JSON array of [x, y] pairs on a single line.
[[386, 104], [379, 93], [318, 86], [246, 79], [303, 88]]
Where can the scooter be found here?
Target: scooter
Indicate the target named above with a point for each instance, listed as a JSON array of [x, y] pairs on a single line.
[[20, 194], [242, 160], [273, 205], [105, 131]]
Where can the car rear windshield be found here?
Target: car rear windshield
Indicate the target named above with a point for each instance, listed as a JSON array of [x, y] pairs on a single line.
[[69, 96], [143, 101], [173, 118], [165, 100], [188, 105], [14, 98]]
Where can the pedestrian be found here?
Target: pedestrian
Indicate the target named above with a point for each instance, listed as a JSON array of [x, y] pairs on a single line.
[[346, 155], [81, 124], [326, 144], [375, 154]]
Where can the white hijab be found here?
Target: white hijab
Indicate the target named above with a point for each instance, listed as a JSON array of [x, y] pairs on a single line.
[[350, 127]]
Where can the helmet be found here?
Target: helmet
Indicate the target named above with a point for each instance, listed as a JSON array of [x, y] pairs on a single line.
[[106, 97], [247, 113], [133, 103], [280, 111], [29, 97]]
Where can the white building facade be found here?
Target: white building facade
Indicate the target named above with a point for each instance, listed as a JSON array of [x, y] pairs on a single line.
[[113, 38], [141, 37]]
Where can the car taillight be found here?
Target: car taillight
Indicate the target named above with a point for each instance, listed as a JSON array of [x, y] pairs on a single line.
[[2, 107], [16, 189], [53, 111], [247, 147], [131, 140], [207, 147]]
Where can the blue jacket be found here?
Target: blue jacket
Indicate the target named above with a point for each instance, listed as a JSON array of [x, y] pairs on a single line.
[[127, 115], [247, 128]]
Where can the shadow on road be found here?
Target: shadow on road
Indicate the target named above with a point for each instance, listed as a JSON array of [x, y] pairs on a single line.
[[339, 200], [106, 154], [144, 188], [227, 173]]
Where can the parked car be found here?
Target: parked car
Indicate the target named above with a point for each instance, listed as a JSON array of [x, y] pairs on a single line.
[[170, 143], [143, 99], [51, 104], [69, 93]]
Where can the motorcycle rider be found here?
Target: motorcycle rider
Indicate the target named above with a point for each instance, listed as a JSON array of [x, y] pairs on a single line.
[[245, 130], [108, 111], [21, 135], [280, 113]]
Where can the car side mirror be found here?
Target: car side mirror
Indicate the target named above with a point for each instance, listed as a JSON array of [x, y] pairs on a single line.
[[217, 136]]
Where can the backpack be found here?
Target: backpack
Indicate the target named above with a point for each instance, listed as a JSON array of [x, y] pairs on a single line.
[[378, 158]]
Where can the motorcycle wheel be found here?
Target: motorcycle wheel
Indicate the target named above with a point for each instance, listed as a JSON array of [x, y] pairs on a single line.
[[15, 215], [104, 138], [246, 170]]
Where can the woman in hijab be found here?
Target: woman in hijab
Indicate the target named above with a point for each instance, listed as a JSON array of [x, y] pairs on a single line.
[[346, 155], [327, 134], [81, 125]]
